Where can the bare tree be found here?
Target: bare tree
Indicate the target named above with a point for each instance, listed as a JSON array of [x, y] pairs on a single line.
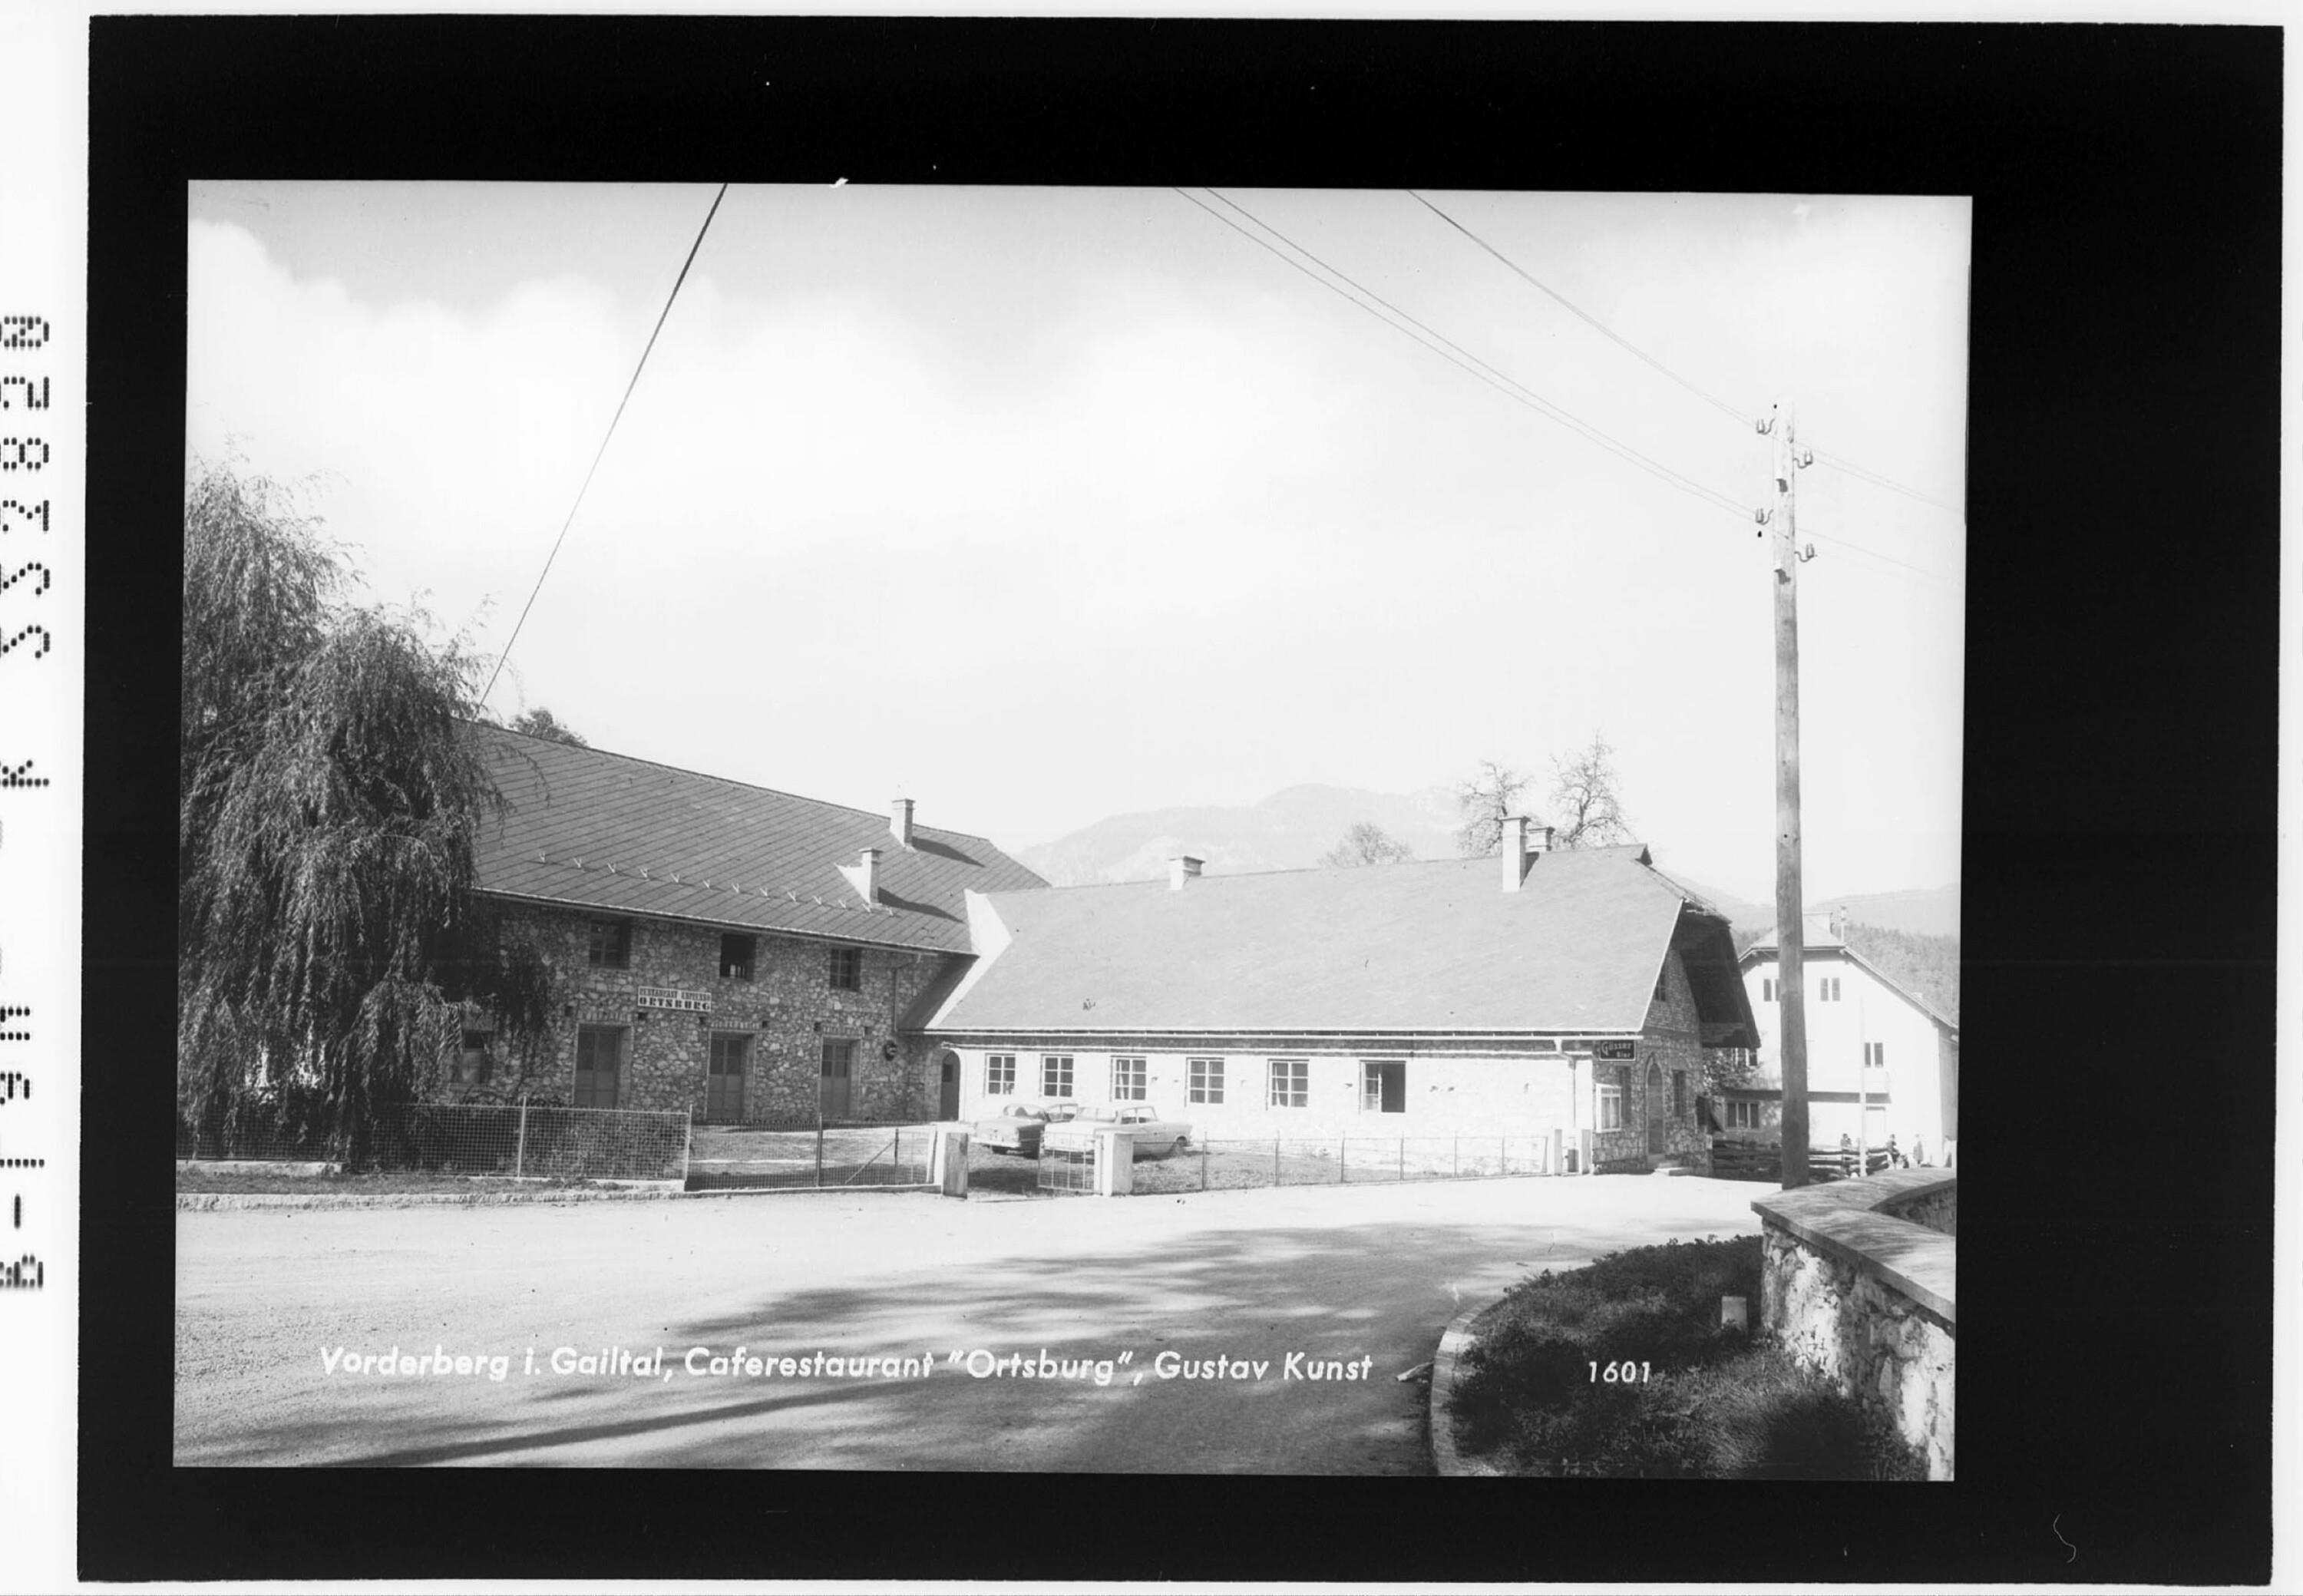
[[1586, 805], [542, 722], [1367, 843], [1483, 801]]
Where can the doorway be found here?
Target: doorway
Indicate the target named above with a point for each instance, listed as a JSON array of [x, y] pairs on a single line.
[[723, 1082], [1656, 1140], [947, 1098], [836, 1096]]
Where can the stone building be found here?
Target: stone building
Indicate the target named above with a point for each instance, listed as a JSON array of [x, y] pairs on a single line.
[[737, 952], [1574, 997]]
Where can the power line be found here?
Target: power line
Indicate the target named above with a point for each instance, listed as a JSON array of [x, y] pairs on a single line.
[[602, 450], [1840, 464], [1876, 554], [1739, 416], [1501, 381]]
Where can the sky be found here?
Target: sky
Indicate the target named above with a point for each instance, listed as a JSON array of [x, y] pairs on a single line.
[[1041, 505]]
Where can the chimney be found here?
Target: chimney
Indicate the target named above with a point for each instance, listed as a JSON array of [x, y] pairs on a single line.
[[1182, 868], [1515, 851], [867, 875], [901, 825]]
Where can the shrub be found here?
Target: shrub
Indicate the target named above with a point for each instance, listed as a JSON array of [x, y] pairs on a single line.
[[1715, 1406]]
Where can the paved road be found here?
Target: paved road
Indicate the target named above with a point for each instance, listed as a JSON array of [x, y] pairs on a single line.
[[1365, 1278]]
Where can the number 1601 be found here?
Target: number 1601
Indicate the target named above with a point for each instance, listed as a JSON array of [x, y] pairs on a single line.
[[1622, 1373]]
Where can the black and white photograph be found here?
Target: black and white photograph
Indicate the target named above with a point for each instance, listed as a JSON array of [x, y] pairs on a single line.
[[1110, 830], [968, 799]]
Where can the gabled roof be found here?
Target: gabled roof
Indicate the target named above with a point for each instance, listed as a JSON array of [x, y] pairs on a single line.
[[1768, 952], [1423, 946], [1816, 935], [600, 831]]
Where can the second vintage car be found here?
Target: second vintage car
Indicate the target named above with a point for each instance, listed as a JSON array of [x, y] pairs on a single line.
[[1154, 1138]]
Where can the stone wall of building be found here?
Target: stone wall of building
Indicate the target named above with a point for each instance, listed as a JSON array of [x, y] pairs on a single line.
[[1867, 1299], [671, 999], [1673, 1042]]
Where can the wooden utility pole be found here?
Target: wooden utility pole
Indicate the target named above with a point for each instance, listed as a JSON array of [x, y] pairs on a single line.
[[1789, 911]]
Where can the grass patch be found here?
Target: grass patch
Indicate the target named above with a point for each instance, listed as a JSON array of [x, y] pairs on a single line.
[[1712, 1404]]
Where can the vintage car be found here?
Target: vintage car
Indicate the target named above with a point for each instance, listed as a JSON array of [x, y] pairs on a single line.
[[1154, 1138], [1018, 1128]]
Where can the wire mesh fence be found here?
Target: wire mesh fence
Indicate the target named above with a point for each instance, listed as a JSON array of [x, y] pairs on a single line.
[[1342, 1160], [803, 1154], [521, 1140]]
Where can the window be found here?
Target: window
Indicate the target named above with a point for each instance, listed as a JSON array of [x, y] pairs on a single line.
[[724, 1078], [1291, 1083], [1207, 1080], [1827, 989], [848, 969], [999, 1074], [1766, 991], [735, 957], [1679, 1093], [1056, 1074], [473, 1063], [598, 1062], [1128, 1080], [1874, 1055], [1615, 1087], [1742, 1114], [1383, 1087], [611, 945], [1659, 986]]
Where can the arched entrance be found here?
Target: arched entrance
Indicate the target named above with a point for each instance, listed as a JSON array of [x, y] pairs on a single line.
[[948, 1087], [1656, 1106]]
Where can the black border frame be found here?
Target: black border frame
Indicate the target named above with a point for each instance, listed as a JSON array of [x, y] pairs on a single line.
[[2120, 765]]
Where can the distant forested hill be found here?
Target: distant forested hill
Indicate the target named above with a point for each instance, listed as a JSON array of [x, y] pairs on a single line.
[[1926, 966]]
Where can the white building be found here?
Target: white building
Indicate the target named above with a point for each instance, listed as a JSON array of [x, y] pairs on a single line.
[[1880, 1061]]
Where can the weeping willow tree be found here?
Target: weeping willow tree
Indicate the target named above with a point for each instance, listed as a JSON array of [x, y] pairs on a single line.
[[330, 947]]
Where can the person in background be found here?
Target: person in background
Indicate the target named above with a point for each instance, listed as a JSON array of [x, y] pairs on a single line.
[[1895, 1154], [1919, 1152]]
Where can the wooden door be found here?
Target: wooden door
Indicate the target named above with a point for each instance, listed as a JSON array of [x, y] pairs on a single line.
[[948, 1101], [836, 1095], [1657, 1139], [723, 1085], [598, 1062]]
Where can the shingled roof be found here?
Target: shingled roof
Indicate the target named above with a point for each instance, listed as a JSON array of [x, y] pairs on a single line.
[[593, 829], [1430, 947]]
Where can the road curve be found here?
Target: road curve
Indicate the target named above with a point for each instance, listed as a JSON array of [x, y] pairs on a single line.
[[1355, 1284]]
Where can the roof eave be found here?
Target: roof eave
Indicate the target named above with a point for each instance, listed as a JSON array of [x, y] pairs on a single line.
[[621, 911]]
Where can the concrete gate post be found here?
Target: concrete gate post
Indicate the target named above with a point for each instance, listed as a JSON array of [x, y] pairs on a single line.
[[1115, 1163], [947, 1160]]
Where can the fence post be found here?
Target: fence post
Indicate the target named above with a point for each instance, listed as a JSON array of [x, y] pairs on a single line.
[[1403, 1158], [687, 1150], [1203, 1166], [1275, 1160], [1343, 1160], [519, 1154], [819, 1151]]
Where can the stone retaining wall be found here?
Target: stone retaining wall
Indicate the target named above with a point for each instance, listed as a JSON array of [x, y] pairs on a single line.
[[1936, 1208], [1858, 1290]]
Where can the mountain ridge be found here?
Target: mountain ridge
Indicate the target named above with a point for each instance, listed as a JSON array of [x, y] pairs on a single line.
[[1293, 827]]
